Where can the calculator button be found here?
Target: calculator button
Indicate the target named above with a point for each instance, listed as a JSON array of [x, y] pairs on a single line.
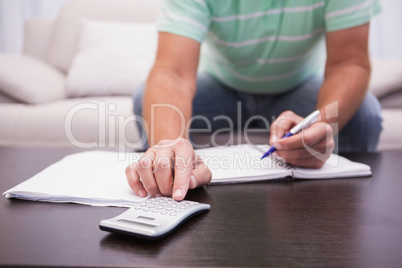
[[178, 210], [145, 209], [173, 214], [155, 210]]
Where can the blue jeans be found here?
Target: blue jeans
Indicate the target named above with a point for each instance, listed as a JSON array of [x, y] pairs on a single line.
[[226, 108]]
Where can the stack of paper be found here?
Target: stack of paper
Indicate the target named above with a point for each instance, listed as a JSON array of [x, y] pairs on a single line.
[[94, 178]]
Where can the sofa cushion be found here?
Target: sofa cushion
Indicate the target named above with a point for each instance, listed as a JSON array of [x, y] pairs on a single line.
[[386, 77], [80, 122], [30, 80], [113, 58], [67, 25]]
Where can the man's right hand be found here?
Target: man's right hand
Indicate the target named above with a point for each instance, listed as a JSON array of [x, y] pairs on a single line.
[[168, 168]]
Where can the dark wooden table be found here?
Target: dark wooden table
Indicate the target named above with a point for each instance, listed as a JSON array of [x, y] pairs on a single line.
[[313, 223]]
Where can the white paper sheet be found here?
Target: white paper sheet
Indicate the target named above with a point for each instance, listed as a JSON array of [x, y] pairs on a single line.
[[242, 163], [93, 178]]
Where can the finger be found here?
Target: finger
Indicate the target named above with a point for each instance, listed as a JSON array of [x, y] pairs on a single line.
[[163, 171], [316, 133], [201, 175], [282, 125], [133, 180], [319, 148], [293, 155], [145, 167], [183, 166]]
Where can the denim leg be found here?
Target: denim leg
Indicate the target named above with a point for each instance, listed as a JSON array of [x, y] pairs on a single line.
[[301, 100], [216, 105], [223, 108], [137, 102]]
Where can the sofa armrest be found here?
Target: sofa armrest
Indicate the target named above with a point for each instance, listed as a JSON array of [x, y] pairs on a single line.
[[386, 77], [37, 37], [30, 80], [390, 138]]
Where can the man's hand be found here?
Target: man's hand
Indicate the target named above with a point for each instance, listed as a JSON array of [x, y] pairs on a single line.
[[169, 168], [309, 148]]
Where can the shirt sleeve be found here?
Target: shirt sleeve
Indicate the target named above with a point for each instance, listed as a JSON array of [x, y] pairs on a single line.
[[189, 18], [342, 14]]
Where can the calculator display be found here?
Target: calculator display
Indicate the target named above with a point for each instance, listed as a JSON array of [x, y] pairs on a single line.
[[129, 222], [146, 218]]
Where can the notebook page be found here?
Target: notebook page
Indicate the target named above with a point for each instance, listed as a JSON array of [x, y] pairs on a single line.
[[241, 163], [92, 178], [335, 167]]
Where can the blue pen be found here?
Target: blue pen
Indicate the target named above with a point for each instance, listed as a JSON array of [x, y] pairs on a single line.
[[296, 129]]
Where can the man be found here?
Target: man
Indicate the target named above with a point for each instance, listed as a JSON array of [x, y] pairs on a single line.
[[262, 56]]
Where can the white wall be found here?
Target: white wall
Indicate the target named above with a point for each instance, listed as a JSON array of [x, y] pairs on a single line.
[[386, 31], [13, 13]]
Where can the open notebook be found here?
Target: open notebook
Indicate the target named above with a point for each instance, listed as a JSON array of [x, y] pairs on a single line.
[[98, 178], [243, 163]]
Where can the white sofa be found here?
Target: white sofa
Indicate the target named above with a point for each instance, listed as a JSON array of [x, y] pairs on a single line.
[[35, 109]]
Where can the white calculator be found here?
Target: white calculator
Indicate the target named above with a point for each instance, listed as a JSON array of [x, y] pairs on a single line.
[[153, 218]]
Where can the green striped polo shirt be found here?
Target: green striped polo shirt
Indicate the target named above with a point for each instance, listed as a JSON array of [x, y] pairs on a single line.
[[262, 46]]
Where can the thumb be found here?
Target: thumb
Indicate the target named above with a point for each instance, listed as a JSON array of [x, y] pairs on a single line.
[[200, 175]]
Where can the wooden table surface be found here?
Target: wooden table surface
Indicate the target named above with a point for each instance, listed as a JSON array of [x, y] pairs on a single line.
[[313, 223]]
